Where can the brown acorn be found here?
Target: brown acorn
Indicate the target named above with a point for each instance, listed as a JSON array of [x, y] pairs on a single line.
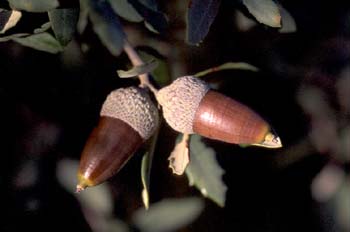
[[128, 118], [189, 106]]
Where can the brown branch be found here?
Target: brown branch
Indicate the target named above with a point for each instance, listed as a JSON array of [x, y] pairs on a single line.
[[136, 61]]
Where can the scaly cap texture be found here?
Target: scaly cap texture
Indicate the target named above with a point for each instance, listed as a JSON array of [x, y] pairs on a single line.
[[180, 101], [133, 106]]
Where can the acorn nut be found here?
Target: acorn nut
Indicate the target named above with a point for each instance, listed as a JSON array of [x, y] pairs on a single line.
[[128, 118], [189, 106]]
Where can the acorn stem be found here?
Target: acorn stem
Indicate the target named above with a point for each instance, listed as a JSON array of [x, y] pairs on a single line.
[[136, 61]]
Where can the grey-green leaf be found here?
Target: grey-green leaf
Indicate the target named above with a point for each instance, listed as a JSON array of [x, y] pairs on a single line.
[[288, 23], [8, 19], [200, 16], [204, 172], [34, 5], [9, 37], [168, 215], [43, 42], [43, 28], [64, 23], [138, 70], [125, 10], [83, 16], [341, 204], [161, 74], [106, 24], [265, 11]]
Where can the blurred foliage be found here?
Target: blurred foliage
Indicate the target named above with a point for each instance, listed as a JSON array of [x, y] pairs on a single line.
[[105, 23], [9, 19], [174, 214], [299, 52], [265, 11], [34, 5]]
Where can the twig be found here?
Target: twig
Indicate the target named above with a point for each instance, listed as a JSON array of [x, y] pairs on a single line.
[[226, 66], [136, 61]]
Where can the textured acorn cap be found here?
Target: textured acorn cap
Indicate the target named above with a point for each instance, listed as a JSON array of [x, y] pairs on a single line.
[[180, 101], [133, 106]]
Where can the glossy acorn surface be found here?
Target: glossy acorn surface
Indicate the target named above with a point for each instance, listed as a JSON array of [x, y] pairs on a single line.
[[222, 118], [110, 145]]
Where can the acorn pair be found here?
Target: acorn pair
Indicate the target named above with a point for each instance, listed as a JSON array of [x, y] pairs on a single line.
[[129, 118]]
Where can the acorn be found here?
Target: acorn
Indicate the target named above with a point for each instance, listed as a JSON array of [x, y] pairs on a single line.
[[190, 106], [127, 119]]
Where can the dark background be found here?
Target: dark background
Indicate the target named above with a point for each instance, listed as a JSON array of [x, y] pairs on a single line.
[[50, 103]]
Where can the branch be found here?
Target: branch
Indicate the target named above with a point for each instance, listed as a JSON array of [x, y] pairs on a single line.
[[136, 61]]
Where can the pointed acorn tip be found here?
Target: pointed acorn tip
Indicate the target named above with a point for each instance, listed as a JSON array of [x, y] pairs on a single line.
[[83, 183], [80, 188], [271, 140]]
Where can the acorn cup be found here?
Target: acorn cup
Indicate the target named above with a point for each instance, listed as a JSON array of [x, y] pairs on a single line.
[[189, 106], [128, 119]]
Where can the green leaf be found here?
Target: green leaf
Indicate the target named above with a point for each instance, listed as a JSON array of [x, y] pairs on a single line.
[[168, 215], [161, 74], [226, 66], [13, 36], [8, 19], [204, 172], [341, 204], [34, 5], [43, 28], [200, 16], [288, 23], [138, 11], [64, 24], [43, 42], [146, 166], [138, 70], [125, 10], [265, 11], [105, 23], [83, 16]]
